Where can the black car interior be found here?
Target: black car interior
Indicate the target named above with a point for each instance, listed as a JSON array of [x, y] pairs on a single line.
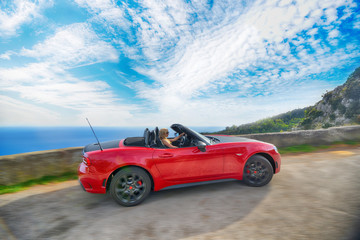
[[152, 139]]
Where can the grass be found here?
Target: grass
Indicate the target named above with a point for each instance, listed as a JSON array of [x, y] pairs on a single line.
[[305, 148], [40, 181]]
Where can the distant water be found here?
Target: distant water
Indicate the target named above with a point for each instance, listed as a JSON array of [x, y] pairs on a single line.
[[15, 140]]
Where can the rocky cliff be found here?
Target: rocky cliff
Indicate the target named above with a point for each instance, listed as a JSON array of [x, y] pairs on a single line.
[[338, 107]]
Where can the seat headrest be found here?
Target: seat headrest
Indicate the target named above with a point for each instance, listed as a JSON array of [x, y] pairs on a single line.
[[147, 137]]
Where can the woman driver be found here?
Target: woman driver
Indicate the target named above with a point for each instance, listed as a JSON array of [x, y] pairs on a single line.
[[164, 133]]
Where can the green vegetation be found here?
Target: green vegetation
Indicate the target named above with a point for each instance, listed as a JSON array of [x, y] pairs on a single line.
[[279, 123], [310, 115], [301, 149], [305, 148], [40, 181]]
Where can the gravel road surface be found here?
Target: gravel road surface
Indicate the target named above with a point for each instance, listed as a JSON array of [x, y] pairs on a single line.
[[315, 196]]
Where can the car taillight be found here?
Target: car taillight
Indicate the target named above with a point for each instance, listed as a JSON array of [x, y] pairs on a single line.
[[86, 161]]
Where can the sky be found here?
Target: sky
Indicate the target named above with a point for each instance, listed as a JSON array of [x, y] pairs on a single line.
[[154, 63]]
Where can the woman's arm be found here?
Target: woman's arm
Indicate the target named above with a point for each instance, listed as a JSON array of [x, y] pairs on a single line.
[[176, 138]]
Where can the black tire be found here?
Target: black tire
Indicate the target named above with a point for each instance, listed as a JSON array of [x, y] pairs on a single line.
[[130, 186], [257, 171]]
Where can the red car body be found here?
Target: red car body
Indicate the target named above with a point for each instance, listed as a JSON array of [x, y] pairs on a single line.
[[222, 157]]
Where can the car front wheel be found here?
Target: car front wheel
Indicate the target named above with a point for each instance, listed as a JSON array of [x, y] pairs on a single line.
[[130, 186], [257, 171]]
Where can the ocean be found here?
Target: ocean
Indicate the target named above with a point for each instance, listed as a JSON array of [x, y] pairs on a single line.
[[14, 140]]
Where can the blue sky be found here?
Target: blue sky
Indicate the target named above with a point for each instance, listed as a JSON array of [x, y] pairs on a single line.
[[153, 63]]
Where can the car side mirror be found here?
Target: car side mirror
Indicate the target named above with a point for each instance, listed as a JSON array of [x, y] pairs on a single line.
[[201, 146]]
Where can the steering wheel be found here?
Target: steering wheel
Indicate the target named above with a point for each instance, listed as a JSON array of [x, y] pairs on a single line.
[[182, 140]]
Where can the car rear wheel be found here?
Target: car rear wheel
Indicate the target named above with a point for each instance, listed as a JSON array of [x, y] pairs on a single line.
[[257, 171], [130, 186]]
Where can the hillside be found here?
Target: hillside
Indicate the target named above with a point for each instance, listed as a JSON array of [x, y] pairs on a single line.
[[338, 107], [283, 122]]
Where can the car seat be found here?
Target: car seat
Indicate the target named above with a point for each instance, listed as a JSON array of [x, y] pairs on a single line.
[[152, 139], [146, 137], [158, 141]]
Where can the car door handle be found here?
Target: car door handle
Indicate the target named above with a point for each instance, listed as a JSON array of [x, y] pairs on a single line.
[[166, 155]]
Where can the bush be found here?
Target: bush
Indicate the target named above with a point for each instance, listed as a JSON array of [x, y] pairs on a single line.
[[327, 125]]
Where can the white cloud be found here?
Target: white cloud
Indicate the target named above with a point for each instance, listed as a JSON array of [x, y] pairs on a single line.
[[54, 88], [201, 62], [107, 12], [205, 63], [356, 23], [73, 45], [226, 109], [97, 5], [21, 12], [7, 55], [49, 84], [15, 112], [221, 50]]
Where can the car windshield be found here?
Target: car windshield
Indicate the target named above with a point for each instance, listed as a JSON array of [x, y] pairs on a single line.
[[202, 137]]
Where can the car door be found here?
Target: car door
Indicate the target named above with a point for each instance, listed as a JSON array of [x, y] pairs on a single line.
[[179, 164]]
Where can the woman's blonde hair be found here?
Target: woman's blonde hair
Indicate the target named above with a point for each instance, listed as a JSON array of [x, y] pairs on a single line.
[[163, 133]]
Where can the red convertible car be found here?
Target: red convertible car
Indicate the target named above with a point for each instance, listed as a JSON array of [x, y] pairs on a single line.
[[130, 168]]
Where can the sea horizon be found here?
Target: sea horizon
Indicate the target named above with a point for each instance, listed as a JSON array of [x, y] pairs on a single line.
[[24, 139]]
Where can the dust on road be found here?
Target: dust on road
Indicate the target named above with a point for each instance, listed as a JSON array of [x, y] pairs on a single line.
[[315, 196]]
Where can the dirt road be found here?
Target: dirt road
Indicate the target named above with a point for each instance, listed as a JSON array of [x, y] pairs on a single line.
[[315, 196]]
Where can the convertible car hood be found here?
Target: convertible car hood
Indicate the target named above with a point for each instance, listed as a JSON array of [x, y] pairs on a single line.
[[225, 139]]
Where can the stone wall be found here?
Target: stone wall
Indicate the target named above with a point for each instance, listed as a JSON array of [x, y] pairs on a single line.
[[19, 168], [311, 137], [23, 167]]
